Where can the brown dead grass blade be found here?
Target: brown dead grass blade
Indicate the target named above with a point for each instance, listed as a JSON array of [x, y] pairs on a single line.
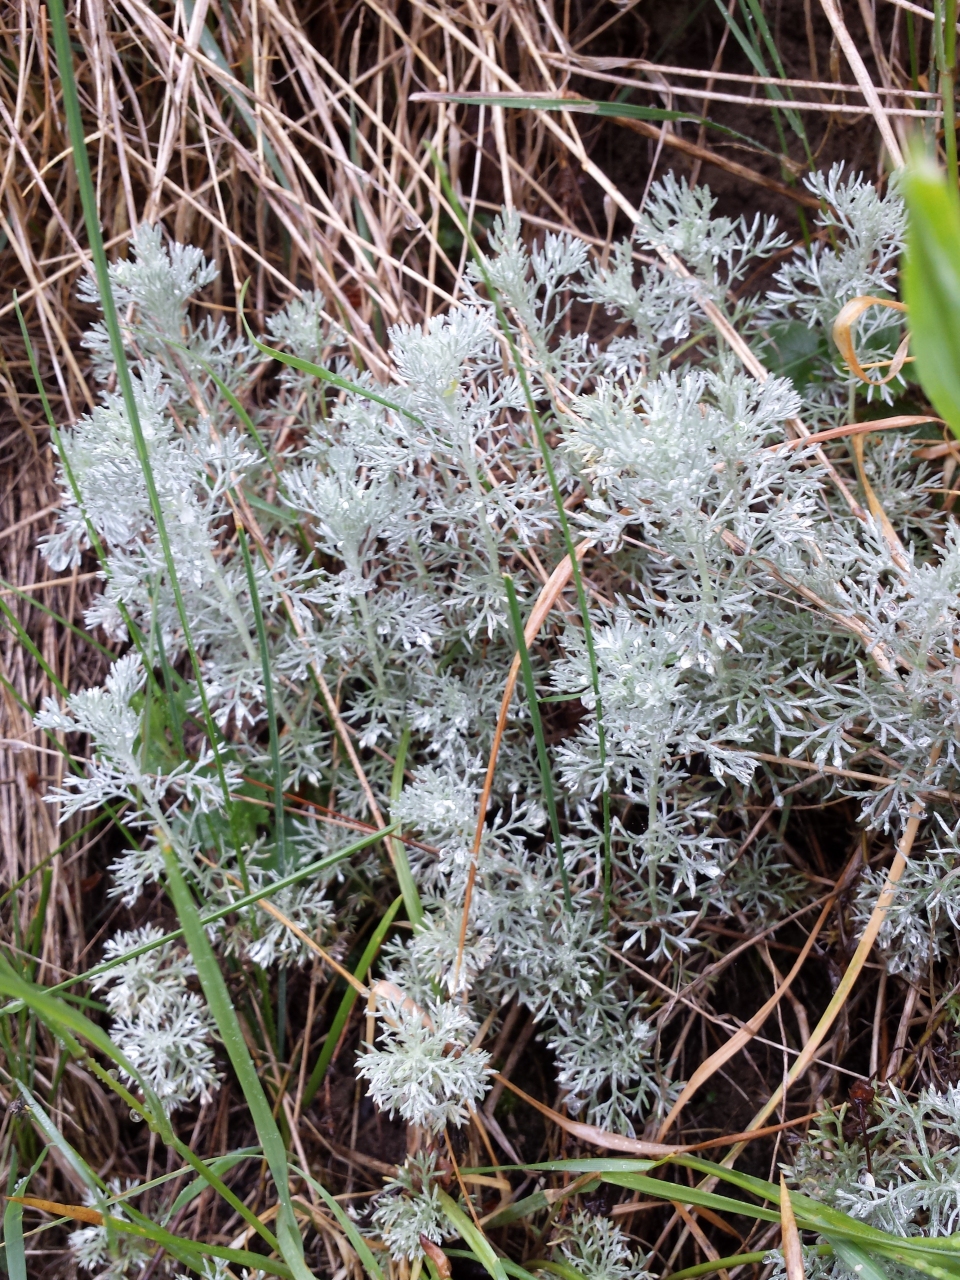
[[790, 1236], [552, 589], [716, 1060], [78, 1212]]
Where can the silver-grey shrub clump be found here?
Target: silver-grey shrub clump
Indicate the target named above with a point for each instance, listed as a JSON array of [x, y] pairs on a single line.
[[740, 610]]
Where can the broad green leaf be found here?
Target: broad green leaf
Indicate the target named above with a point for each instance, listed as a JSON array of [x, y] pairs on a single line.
[[13, 1240], [477, 1241], [931, 285], [858, 1260]]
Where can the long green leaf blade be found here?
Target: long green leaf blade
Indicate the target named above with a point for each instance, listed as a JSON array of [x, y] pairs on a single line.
[[347, 1003], [363, 1250], [401, 863], [546, 775], [13, 1240], [477, 1241], [931, 285], [248, 900], [228, 1025]]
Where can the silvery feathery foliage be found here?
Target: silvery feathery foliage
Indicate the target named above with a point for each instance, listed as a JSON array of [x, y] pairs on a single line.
[[921, 924], [409, 1207], [163, 1028], [599, 1250], [861, 260], [113, 1255], [739, 610], [218, 1269], [860, 257], [424, 1067], [118, 771], [914, 1188]]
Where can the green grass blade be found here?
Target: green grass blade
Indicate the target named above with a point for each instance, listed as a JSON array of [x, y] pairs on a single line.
[[224, 1014], [536, 1203], [931, 285], [209, 45], [547, 456], [79, 632], [88, 199], [591, 1164], [363, 1250], [477, 1241], [92, 534], [55, 1138], [318, 371], [615, 110], [511, 1268], [546, 776], [219, 1166], [192, 1252], [347, 1003], [936, 1257], [760, 1187], [661, 1190], [208, 1174], [279, 816], [45, 861], [858, 1260], [408, 886], [566, 1270], [69, 1023], [248, 900], [55, 436], [721, 1264], [13, 1240], [794, 117], [237, 408], [17, 627]]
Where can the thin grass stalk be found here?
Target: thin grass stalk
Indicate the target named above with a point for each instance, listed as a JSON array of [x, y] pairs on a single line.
[[546, 776], [221, 1006], [408, 886], [569, 545], [325, 1056], [211, 917], [947, 58], [88, 198]]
